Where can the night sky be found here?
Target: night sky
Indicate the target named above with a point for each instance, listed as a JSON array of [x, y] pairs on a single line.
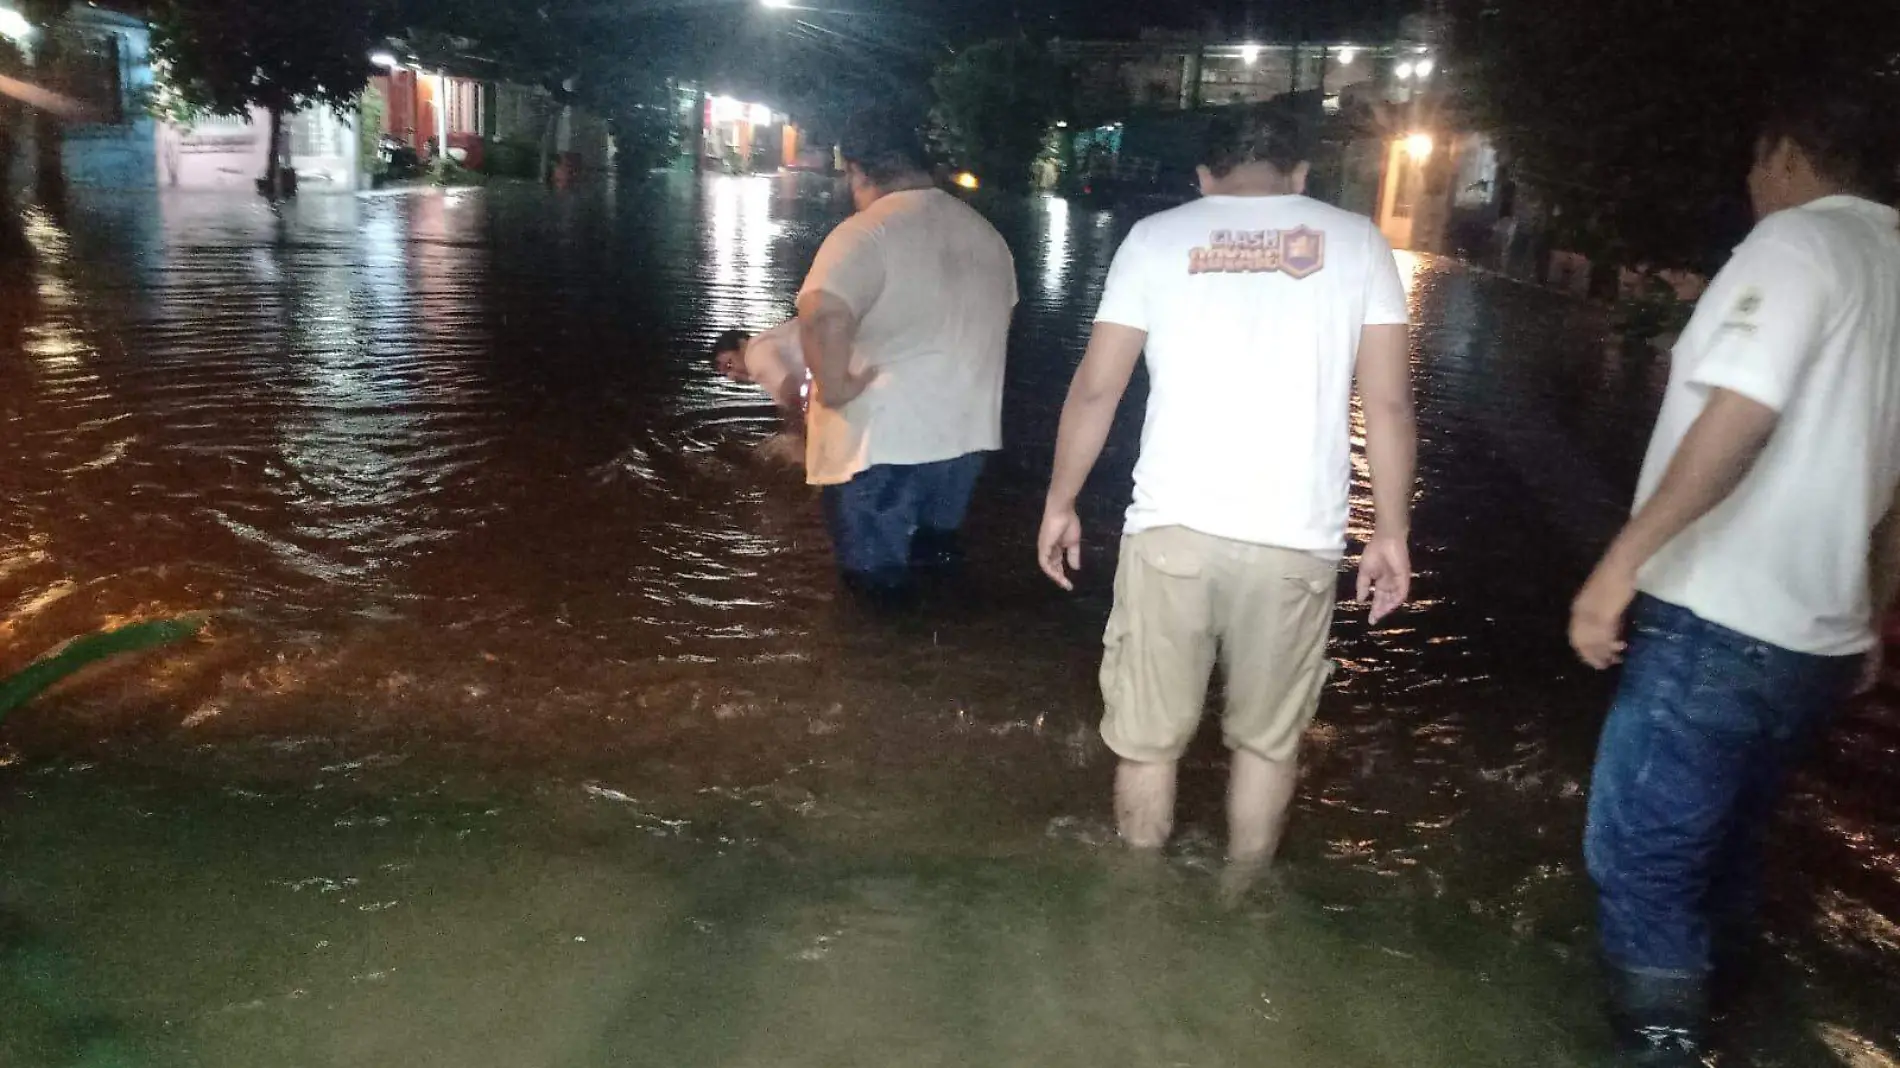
[[1113, 18]]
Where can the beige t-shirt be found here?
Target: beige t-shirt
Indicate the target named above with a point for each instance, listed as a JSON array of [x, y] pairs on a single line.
[[932, 284]]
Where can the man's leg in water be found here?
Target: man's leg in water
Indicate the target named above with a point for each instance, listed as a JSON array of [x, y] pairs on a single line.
[[872, 518], [1158, 654], [1704, 717], [946, 490], [1144, 803], [1274, 612], [1259, 792]]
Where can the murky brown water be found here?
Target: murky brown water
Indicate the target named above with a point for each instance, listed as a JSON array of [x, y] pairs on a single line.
[[530, 729]]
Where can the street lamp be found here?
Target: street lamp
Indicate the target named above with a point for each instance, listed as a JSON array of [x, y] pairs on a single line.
[[1404, 72], [1425, 68], [1250, 54], [14, 26], [776, 3], [1419, 146]]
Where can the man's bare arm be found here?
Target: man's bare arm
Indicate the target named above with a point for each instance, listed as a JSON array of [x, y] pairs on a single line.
[[1715, 456], [1385, 395], [1087, 415], [1089, 411], [828, 331], [1717, 453]]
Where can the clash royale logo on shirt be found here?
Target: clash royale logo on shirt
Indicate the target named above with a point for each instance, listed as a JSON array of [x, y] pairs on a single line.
[[1297, 253]]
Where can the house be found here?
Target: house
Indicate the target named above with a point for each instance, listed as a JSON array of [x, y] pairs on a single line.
[[466, 106], [102, 61], [1391, 149]]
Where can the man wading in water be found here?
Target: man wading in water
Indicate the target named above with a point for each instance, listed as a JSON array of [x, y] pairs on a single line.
[[1745, 570], [1257, 307], [904, 320]]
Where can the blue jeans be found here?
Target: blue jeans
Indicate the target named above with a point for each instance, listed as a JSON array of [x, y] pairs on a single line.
[[894, 516], [1705, 729]]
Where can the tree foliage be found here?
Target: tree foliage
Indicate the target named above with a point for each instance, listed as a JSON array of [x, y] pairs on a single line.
[[1634, 120], [226, 57], [229, 56], [995, 102]]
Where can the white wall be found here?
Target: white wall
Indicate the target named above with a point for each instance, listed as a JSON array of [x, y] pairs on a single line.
[[224, 153]]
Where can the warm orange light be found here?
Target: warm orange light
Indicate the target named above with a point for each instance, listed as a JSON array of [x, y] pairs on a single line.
[[967, 180], [1419, 146]]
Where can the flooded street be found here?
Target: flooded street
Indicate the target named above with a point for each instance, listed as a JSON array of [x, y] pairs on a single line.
[[530, 729]]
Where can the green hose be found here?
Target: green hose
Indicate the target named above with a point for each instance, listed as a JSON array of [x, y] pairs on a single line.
[[22, 686]]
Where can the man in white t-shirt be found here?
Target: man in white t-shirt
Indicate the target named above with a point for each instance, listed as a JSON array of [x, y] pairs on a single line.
[[1258, 308], [904, 320], [1767, 491]]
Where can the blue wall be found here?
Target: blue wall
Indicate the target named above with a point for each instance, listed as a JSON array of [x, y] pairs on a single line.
[[123, 155]]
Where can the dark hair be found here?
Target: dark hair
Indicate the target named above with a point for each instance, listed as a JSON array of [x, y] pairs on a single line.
[[1847, 129], [730, 341], [1258, 134], [885, 145]]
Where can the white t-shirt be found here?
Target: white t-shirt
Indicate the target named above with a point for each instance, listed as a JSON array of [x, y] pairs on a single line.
[[1253, 308], [932, 285], [1806, 320], [775, 356]]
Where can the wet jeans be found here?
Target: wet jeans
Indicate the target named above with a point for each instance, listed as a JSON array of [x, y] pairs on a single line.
[[893, 517], [1706, 726]]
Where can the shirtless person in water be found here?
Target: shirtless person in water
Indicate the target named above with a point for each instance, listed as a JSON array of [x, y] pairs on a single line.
[[775, 362]]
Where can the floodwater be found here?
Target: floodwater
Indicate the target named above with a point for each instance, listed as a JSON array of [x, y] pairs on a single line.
[[530, 728]]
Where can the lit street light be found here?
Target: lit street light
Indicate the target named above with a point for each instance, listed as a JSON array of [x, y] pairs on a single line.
[[776, 3], [14, 26]]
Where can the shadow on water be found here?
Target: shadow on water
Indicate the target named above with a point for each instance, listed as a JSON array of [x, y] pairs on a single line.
[[530, 729], [47, 1020]]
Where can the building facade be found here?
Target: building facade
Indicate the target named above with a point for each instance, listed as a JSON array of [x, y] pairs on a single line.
[[1389, 146]]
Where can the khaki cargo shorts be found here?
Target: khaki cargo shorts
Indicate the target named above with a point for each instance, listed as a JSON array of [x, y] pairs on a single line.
[[1183, 599]]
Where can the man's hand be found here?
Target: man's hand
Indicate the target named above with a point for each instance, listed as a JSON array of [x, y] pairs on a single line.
[[1385, 575], [791, 395], [1597, 615], [1059, 547]]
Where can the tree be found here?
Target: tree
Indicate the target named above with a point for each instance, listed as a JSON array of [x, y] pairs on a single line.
[[227, 57], [1634, 120], [995, 103]]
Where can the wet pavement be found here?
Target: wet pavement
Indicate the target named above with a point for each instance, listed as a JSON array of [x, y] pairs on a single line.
[[530, 728]]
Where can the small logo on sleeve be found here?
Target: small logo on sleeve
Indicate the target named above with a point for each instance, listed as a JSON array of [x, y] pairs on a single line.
[[1297, 253], [1741, 317]]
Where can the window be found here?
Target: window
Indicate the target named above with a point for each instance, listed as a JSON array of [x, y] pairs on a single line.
[[91, 69], [465, 106]]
